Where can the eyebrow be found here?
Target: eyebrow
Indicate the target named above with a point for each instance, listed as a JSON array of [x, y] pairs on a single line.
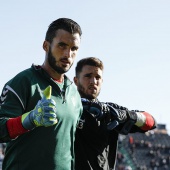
[[62, 43], [89, 74]]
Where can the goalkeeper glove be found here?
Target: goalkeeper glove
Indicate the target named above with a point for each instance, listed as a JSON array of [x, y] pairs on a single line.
[[125, 119], [117, 116], [97, 109], [44, 113]]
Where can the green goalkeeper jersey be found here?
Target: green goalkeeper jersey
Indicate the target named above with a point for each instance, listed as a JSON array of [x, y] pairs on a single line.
[[43, 148]]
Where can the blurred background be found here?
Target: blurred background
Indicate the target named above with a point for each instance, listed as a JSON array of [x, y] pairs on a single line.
[[132, 38]]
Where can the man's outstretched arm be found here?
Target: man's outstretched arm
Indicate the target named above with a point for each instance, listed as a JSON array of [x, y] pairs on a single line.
[[119, 118]]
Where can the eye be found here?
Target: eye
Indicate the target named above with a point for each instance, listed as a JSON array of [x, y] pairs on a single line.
[[87, 75], [98, 77], [62, 45], [74, 48]]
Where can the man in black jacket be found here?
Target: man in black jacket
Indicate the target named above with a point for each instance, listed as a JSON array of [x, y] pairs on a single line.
[[101, 123]]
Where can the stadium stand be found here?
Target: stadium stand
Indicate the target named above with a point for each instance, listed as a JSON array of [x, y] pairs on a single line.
[[149, 151], [2, 149]]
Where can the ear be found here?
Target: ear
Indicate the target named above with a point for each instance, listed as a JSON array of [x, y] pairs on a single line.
[[46, 46], [76, 80]]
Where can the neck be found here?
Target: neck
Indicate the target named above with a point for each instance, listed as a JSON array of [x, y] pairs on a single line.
[[53, 74]]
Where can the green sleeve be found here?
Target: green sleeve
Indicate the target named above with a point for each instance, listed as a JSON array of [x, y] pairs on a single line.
[[10, 107]]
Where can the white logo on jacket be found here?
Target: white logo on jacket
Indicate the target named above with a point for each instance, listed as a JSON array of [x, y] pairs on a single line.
[[3, 95]]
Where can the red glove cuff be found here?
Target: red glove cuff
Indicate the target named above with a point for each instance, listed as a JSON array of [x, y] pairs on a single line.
[[149, 122], [15, 127]]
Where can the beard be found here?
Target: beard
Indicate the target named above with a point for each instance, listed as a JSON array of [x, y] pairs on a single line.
[[52, 62], [84, 94]]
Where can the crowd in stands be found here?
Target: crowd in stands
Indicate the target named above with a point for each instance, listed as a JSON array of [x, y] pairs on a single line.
[[2, 150], [149, 151], [122, 163]]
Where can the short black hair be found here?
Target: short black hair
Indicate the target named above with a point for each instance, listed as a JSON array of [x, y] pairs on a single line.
[[62, 23], [92, 61]]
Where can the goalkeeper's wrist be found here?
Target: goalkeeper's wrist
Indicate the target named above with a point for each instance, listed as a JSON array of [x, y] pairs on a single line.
[[26, 120], [140, 119], [15, 127], [148, 121]]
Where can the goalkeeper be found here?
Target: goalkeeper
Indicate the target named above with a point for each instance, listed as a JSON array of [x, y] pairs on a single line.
[[101, 123], [40, 107]]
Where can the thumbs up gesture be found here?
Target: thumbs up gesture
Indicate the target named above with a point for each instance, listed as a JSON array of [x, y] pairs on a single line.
[[44, 113]]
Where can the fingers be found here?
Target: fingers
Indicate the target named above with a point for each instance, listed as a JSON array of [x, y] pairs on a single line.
[[45, 118], [47, 107], [95, 111], [50, 122], [47, 92], [47, 102], [112, 111], [112, 125], [50, 119]]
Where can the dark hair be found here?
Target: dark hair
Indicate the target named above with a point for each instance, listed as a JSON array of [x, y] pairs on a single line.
[[62, 23], [92, 61]]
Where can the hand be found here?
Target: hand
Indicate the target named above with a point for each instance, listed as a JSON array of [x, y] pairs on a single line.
[[97, 109], [124, 118], [117, 116], [44, 113]]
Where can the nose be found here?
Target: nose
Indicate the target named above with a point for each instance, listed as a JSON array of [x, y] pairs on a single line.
[[93, 80], [67, 53]]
